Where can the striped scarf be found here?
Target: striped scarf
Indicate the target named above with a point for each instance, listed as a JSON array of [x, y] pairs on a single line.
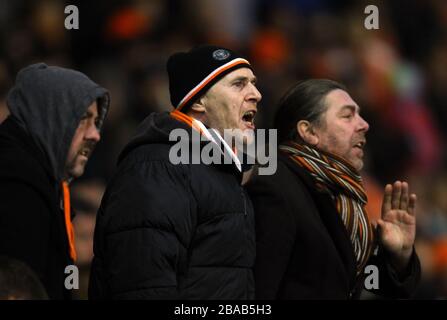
[[344, 183]]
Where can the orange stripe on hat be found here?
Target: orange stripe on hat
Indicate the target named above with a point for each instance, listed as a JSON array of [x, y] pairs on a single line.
[[213, 75], [68, 224]]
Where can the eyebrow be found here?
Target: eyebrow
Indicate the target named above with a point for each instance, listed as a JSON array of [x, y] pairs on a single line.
[[244, 78], [350, 107]]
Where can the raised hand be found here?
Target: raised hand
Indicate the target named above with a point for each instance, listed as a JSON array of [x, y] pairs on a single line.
[[397, 227]]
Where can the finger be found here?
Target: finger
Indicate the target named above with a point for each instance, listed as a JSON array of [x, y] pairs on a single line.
[[401, 216], [404, 197], [386, 203], [395, 198], [408, 219], [412, 205]]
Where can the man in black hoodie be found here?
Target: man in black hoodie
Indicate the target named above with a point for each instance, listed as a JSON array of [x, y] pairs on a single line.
[[56, 115], [182, 231]]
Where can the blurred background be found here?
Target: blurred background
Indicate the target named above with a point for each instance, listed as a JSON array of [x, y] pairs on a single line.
[[397, 74]]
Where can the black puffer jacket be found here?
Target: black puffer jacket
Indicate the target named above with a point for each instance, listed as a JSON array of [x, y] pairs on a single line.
[[168, 231]]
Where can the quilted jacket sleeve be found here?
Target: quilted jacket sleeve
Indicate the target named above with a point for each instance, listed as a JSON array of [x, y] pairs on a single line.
[[143, 231]]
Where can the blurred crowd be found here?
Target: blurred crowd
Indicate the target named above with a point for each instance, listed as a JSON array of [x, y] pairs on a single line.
[[397, 74]]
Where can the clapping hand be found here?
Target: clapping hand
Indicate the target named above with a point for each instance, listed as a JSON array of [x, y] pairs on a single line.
[[397, 227]]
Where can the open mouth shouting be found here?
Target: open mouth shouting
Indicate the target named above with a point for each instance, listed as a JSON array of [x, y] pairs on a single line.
[[248, 119], [85, 152], [360, 145]]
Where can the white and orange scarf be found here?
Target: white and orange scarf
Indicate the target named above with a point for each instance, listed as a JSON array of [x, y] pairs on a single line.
[[213, 136]]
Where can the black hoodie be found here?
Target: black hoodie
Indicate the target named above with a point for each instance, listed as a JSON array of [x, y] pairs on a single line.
[[46, 106], [167, 231]]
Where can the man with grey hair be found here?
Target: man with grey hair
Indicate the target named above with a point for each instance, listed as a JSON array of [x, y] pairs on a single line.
[[170, 230]]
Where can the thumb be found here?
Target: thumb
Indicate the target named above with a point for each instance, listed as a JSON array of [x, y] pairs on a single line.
[[380, 226]]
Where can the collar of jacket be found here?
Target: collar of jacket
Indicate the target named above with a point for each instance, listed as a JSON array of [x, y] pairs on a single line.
[[212, 136]]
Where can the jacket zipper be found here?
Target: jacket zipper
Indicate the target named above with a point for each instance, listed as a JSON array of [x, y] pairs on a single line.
[[245, 201]]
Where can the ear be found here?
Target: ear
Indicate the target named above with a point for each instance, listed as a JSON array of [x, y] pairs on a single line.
[[199, 105], [307, 133]]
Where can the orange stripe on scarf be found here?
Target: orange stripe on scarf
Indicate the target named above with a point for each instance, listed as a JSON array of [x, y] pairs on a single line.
[[68, 224], [180, 116], [345, 184]]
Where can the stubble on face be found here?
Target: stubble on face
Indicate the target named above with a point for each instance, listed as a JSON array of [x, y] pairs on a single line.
[[76, 165], [231, 104], [342, 130], [84, 141], [335, 146]]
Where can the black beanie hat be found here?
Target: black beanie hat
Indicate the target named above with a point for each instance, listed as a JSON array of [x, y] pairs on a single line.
[[192, 73]]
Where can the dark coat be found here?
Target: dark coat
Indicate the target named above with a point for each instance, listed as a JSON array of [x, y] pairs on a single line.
[[46, 106], [303, 249], [32, 227], [172, 231]]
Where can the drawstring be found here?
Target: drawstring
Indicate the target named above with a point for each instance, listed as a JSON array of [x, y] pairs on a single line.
[[68, 224]]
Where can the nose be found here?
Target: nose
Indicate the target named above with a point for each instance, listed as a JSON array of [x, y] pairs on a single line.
[[254, 93], [363, 125], [93, 133]]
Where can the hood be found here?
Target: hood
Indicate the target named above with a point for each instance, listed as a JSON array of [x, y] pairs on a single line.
[[154, 129], [48, 103]]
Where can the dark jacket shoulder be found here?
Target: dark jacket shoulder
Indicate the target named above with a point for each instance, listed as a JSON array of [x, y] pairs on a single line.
[[31, 223]]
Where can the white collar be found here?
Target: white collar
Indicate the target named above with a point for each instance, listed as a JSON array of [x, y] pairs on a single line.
[[217, 135]]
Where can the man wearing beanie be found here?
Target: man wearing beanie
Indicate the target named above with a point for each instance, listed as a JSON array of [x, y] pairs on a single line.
[[182, 231]]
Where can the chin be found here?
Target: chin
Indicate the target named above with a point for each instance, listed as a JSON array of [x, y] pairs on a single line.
[[358, 165], [249, 139], [246, 138], [77, 171]]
